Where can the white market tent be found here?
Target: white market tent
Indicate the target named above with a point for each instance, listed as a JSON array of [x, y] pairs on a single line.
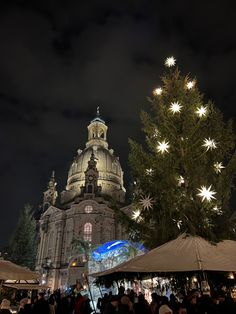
[[184, 254], [11, 271]]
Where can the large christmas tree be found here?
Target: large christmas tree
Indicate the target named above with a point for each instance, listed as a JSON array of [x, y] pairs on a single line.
[[183, 175]]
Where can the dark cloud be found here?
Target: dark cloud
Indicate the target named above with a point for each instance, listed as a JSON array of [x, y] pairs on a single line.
[[60, 59]]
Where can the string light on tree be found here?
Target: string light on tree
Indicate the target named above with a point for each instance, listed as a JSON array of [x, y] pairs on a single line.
[[156, 133], [209, 144], [180, 180], [178, 223], [163, 147], [157, 91], [146, 202], [206, 193], [175, 107], [149, 171], [190, 84], [218, 167], [136, 215], [170, 62], [201, 111], [217, 210]]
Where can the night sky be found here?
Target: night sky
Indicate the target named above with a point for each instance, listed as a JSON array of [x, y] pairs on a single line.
[[60, 59]]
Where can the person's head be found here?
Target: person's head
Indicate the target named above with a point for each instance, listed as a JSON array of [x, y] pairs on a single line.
[[125, 300], [182, 309], [193, 299], [164, 300], [164, 309], [115, 300], [5, 305], [23, 302], [41, 295], [141, 298], [51, 299]]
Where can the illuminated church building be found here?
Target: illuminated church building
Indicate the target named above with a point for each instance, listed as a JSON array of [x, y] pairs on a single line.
[[94, 179]]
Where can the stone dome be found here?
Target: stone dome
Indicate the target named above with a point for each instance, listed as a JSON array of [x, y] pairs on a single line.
[[110, 174]]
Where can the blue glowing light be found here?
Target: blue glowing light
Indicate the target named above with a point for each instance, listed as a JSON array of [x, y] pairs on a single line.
[[115, 248]]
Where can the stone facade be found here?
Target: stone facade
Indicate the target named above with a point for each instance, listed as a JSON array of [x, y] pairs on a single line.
[[94, 179]]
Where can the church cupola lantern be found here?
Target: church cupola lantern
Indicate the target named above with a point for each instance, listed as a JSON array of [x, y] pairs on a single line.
[[97, 132]]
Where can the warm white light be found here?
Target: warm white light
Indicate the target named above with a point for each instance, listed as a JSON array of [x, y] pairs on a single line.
[[146, 202], [136, 215], [180, 180], [157, 91], [149, 171], [170, 62], [209, 144], [178, 223], [175, 107], [217, 210], [206, 193], [231, 276], [218, 166], [201, 111], [156, 133], [163, 147], [190, 84]]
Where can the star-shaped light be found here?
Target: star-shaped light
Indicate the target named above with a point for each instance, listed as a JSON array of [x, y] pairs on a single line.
[[175, 107], [170, 62], [206, 193], [218, 166], [209, 144], [157, 91], [149, 171], [163, 147], [136, 215], [180, 180], [190, 84], [201, 111], [146, 202]]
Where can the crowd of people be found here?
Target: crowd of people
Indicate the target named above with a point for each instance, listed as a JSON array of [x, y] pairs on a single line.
[[193, 303], [127, 302]]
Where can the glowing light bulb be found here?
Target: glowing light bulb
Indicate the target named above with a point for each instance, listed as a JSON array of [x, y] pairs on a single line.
[[163, 147], [170, 62], [206, 193], [190, 84], [157, 91], [201, 111], [175, 107], [209, 144]]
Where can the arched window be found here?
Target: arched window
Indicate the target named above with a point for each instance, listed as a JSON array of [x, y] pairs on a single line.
[[88, 232]]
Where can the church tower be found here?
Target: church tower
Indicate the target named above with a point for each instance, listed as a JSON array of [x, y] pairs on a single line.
[[50, 195]]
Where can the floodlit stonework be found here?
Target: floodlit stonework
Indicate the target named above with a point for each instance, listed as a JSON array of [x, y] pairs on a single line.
[[95, 179]]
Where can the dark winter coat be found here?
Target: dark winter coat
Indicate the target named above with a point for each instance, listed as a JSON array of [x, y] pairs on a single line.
[[41, 306]]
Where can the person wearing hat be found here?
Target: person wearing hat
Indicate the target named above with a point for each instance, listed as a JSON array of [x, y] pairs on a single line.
[[5, 307]]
